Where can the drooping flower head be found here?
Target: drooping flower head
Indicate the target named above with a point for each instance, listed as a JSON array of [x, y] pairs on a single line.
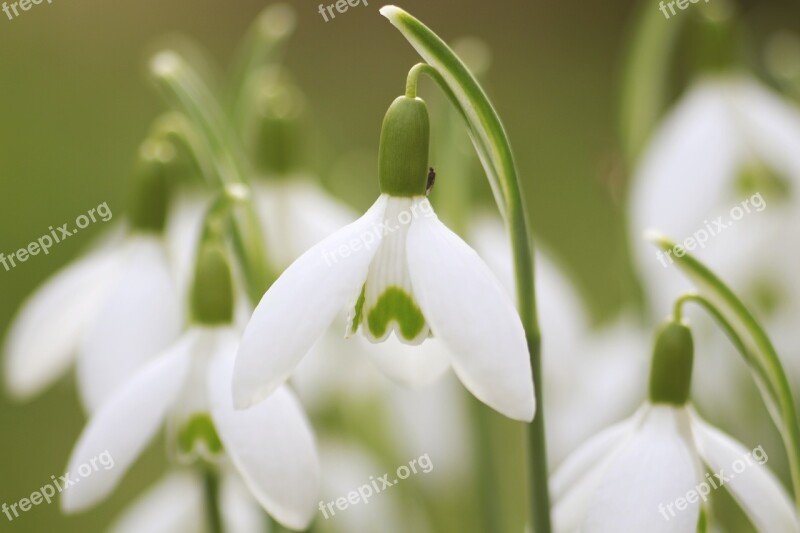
[[648, 473], [400, 273]]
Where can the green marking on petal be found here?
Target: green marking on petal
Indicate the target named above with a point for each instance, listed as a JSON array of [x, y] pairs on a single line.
[[396, 304], [199, 428], [359, 310]]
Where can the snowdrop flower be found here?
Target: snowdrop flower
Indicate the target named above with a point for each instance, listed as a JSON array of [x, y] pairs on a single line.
[[120, 299], [729, 140], [647, 474], [271, 445], [726, 139], [401, 272]]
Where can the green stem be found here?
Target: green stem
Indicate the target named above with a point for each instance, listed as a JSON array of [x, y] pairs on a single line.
[[186, 93], [522, 250], [492, 145], [211, 495]]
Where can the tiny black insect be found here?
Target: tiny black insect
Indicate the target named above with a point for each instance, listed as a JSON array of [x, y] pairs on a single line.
[[431, 180]]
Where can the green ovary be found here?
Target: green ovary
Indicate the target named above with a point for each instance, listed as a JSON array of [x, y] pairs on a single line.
[[395, 304], [199, 428]]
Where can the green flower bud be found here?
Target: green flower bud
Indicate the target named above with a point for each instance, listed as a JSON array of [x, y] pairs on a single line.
[[671, 371], [149, 198], [403, 156], [212, 288], [275, 132]]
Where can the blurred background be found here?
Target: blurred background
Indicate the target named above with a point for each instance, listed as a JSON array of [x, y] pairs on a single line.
[[75, 104]]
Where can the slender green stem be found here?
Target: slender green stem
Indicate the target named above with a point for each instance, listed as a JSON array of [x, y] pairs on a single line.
[[211, 495], [186, 93], [522, 249]]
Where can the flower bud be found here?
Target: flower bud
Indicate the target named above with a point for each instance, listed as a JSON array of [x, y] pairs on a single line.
[[212, 287], [671, 371], [403, 156]]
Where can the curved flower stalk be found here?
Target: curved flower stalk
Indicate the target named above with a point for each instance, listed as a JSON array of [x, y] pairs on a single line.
[[104, 303], [647, 473], [753, 344], [188, 385], [493, 148], [412, 279], [177, 503]]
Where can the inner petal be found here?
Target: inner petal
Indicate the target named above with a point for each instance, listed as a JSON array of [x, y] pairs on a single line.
[[387, 302]]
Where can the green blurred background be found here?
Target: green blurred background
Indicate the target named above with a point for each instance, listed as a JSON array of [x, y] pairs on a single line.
[[74, 106]]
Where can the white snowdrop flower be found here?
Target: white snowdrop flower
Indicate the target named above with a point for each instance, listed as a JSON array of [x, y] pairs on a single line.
[[728, 139], [730, 148], [402, 273], [121, 299], [271, 445], [189, 386], [647, 473]]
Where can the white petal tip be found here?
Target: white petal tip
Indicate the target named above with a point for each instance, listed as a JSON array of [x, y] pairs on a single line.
[[653, 235], [390, 11]]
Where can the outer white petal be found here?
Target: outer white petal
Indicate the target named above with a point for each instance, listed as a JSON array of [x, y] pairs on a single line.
[[755, 488], [296, 214], [410, 366], [241, 513], [142, 316], [302, 303], [175, 504], [470, 312], [124, 425], [657, 466], [271, 445], [44, 336], [589, 455]]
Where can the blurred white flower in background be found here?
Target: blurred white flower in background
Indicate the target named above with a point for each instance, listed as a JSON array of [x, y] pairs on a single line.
[[728, 139], [114, 309], [270, 445]]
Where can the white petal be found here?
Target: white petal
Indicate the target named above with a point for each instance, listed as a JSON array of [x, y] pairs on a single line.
[[589, 455], [751, 483], [772, 126], [410, 366], [271, 444], [45, 334], [175, 504], [301, 304], [142, 316], [470, 312], [124, 425], [241, 513], [657, 466], [296, 214]]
